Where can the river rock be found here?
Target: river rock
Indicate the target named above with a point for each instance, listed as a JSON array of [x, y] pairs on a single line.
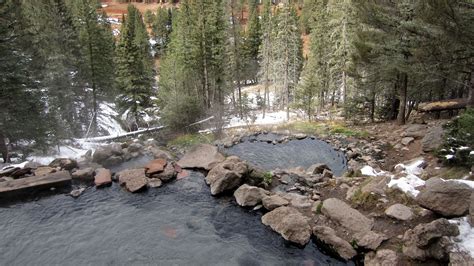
[[103, 177], [447, 198], [370, 239], [159, 154], [350, 218], [77, 192], [407, 141], [112, 161], [226, 175], [168, 173], [399, 212], [155, 166], [300, 202], [433, 139], [86, 174], [317, 168], [289, 223], [274, 201], [102, 153], [328, 236], [249, 196], [44, 170], [135, 147], [203, 156], [429, 240], [64, 164], [134, 180], [382, 257]]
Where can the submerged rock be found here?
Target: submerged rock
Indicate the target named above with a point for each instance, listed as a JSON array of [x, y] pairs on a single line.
[[399, 212], [103, 177], [447, 198], [328, 236], [226, 175], [134, 180], [289, 223], [249, 196], [203, 156]]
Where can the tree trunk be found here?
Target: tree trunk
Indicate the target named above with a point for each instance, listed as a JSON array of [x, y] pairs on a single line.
[[470, 99], [4, 148], [402, 94]]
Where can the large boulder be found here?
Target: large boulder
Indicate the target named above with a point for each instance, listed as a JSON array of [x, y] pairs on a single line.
[[447, 198], [328, 236], [134, 180], [415, 131], [103, 177], [226, 175], [289, 223], [203, 156], [249, 196], [399, 212], [274, 201], [383, 257], [433, 139], [350, 218], [430, 240], [44, 170], [317, 168]]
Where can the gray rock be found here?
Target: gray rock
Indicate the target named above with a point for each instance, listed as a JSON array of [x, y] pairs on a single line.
[[377, 185], [274, 201], [407, 141], [249, 196], [112, 161], [415, 131], [317, 168], [134, 180], [433, 139], [328, 236], [77, 192], [370, 239], [289, 223], [429, 240], [345, 215], [399, 212], [300, 202], [104, 152], [227, 175], [44, 170], [86, 174], [382, 257], [135, 147], [203, 156], [447, 198], [64, 164], [154, 183]]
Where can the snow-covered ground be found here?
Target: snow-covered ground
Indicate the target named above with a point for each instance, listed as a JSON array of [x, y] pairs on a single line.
[[465, 240]]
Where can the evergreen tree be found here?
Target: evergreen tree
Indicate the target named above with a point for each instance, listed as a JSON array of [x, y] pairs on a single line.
[[97, 47], [266, 52], [161, 29], [22, 113], [251, 44], [134, 67]]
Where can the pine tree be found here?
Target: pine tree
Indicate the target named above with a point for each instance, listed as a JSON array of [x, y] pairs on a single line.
[[22, 116], [134, 70], [251, 44], [287, 55], [235, 51], [266, 52], [161, 29], [97, 48]]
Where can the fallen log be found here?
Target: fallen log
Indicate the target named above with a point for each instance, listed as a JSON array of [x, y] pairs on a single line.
[[452, 104]]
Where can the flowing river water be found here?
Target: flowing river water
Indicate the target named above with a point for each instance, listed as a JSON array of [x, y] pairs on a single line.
[[178, 224]]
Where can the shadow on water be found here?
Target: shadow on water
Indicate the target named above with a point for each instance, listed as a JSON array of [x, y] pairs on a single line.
[[178, 224], [261, 152]]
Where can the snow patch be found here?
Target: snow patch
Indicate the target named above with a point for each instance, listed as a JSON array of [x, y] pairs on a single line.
[[471, 153], [409, 181], [258, 119], [465, 240], [20, 165], [449, 157], [370, 171], [106, 120]]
